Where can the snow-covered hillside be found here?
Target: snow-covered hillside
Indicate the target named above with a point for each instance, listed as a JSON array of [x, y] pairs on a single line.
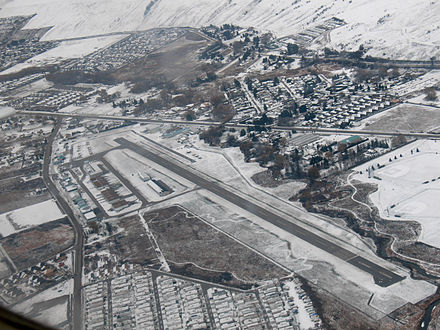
[[394, 28]]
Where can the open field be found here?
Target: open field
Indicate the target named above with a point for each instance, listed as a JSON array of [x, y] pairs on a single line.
[[408, 186], [405, 117], [130, 244], [56, 308], [89, 147], [4, 266], [337, 315], [34, 245], [51, 312], [66, 50], [176, 61], [185, 239], [50, 307], [15, 194], [28, 217]]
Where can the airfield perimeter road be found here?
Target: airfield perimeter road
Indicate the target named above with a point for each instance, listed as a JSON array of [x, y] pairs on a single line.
[[382, 276], [79, 235]]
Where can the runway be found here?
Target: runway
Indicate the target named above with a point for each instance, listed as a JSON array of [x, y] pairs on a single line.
[[381, 275]]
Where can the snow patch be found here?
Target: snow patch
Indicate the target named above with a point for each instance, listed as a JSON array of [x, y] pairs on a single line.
[[28, 217], [408, 186], [303, 316], [392, 28]]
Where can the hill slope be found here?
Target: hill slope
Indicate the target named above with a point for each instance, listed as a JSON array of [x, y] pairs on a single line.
[[398, 29]]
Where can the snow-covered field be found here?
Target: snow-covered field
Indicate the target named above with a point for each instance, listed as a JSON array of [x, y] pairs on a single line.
[[421, 99], [33, 87], [49, 307], [5, 112], [66, 50], [28, 217], [92, 108], [408, 29], [429, 79], [404, 117], [409, 186]]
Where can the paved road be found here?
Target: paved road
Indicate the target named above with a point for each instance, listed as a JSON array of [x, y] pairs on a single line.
[[79, 235], [321, 130], [382, 276]]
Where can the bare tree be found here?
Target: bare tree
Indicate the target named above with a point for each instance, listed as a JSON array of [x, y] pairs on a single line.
[[431, 94], [313, 173], [237, 46]]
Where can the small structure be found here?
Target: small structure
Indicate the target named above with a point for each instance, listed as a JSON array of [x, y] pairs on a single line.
[[90, 216], [159, 187], [144, 176]]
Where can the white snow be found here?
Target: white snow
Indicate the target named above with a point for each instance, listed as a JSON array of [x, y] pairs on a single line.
[[5, 112], [66, 50], [27, 217], [33, 87], [92, 107], [51, 316], [6, 227], [409, 186], [421, 99], [303, 316], [90, 146], [429, 79], [404, 117], [338, 277], [393, 28], [349, 283], [132, 166]]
